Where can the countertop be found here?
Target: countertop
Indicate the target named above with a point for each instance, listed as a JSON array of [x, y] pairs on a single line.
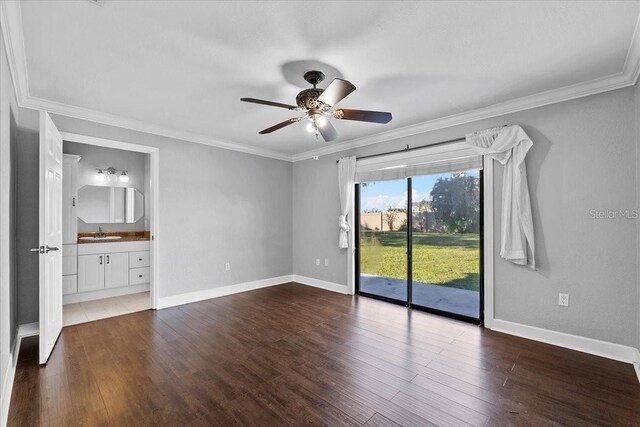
[[127, 236]]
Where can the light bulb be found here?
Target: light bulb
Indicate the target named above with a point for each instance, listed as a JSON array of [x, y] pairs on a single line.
[[112, 177], [124, 177], [310, 127], [100, 176], [321, 120]]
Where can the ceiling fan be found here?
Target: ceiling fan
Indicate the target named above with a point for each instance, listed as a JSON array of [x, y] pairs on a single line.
[[316, 103]]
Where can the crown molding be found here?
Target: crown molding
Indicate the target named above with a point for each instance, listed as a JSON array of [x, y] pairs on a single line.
[[123, 122], [11, 22], [627, 77], [567, 93]]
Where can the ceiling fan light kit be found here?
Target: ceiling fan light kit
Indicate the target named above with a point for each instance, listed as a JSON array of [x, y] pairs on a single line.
[[316, 102]]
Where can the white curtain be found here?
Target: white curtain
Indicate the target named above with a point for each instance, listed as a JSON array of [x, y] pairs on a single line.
[[346, 175], [509, 145]]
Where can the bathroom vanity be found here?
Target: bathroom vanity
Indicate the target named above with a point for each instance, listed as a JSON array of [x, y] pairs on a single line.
[[101, 265]]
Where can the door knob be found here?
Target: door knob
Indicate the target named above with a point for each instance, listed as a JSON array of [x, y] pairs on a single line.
[[43, 249]]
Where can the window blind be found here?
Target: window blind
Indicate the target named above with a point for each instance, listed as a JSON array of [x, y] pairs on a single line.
[[454, 157]]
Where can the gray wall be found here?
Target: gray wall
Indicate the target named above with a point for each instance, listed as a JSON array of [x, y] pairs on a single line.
[[583, 158], [216, 206], [94, 157], [27, 225]]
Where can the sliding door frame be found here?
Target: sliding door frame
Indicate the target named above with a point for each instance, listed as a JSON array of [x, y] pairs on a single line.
[[409, 280]]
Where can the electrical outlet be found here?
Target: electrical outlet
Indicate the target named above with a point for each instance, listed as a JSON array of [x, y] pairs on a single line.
[[563, 300], [317, 261], [227, 266], [326, 262]]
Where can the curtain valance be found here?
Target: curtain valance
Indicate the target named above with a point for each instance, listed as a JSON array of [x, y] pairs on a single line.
[[454, 157]]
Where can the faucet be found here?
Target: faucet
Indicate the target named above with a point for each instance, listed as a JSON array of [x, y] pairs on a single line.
[[100, 233]]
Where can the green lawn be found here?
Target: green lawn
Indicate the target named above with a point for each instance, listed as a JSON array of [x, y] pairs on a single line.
[[441, 259]]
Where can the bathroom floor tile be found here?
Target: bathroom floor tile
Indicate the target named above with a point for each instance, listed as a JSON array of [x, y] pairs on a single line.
[[104, 308]]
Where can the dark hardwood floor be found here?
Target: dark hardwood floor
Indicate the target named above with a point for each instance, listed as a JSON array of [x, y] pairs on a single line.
[[296, 355]]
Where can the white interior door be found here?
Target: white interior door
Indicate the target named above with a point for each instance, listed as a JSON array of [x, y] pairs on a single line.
[[50, 236]]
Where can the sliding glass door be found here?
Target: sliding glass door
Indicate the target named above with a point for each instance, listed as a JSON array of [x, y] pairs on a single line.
[[383, 240], [420, 242], [446, 243]]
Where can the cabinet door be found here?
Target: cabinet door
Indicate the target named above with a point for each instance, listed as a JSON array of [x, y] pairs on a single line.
[[69, 199], [116, 273], [90, 272]]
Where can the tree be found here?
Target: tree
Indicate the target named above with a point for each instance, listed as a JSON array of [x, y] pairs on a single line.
[[420, 217], [391, 218], [456, 203]]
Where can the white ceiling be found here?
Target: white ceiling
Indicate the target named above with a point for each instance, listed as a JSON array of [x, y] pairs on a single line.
[[184, 65]]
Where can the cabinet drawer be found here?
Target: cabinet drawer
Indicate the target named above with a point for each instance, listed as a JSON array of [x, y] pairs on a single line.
[[138, 275], [138, 259], [69, 284], [69, 265]]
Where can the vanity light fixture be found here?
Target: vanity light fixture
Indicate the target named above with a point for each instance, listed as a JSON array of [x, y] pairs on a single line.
[[100, 176], [111, 174]]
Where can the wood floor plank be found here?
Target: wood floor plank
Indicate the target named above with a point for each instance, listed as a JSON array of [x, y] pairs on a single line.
[[293, 355]]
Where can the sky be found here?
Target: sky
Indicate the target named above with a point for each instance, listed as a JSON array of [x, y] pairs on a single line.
[[383, 195]]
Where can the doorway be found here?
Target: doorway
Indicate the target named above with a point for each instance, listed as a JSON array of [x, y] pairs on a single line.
[[110, 255], [420, 242]]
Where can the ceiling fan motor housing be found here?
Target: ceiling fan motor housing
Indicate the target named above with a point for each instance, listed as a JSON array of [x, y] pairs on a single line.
[[308, 99]]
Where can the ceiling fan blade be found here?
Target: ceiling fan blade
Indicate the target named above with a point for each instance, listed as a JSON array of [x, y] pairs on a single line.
[[327, 131], [336, 91], [280, 125], [363, 116], [273, 104]]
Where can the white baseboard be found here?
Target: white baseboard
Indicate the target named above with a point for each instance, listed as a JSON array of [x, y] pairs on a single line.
[[220, 292], [317, 283], [26, 330], [636, 364], [104, 293], [606, 349]]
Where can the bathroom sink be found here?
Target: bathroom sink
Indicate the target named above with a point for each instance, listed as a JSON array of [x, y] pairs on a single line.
[[94, 238]]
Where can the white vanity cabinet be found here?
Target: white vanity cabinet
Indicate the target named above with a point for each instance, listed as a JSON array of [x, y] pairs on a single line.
[[69, 198], [69, 269], [105, 269], [90, 272], [116, 270], [69, 224]]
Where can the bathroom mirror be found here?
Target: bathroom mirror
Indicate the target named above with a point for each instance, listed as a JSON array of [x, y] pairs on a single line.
[[116, 205]]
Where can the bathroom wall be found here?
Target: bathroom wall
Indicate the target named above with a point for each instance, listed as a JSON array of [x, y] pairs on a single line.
[[93, 157]]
